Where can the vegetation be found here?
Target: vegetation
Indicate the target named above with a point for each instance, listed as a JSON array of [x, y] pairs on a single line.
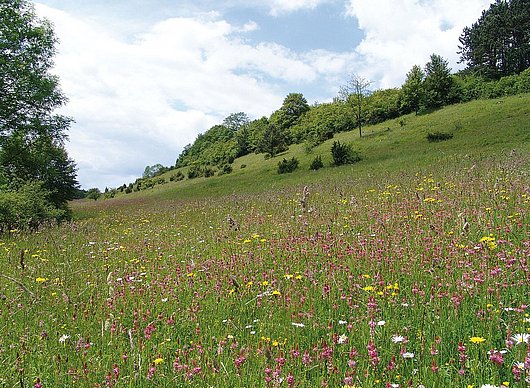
[[439, 136], [343, 154], [34, 165], [286, 166], [498, 44], [406, 268]]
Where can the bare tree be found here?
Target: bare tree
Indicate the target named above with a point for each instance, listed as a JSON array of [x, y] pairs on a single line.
[[353, 92]]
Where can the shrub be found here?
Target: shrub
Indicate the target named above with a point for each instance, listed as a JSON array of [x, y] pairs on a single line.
[[93, 193], [195, 172], [208, 172], [343, 154], [243, 166], [28, 208], [438, 136], [177, 177], [286, 166], [225, 169], [316, 163]]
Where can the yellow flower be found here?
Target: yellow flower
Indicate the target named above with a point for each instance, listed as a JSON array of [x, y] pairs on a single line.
[[275, 343], [41, 280], [264, 283], [249, 284], [288, 276], [298, 277], [276, 292], [368, 288], [158, 361], [191, 274], [506, 383], [477, 340]]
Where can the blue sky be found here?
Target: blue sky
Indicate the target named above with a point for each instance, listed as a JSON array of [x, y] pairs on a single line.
[[143, 78]]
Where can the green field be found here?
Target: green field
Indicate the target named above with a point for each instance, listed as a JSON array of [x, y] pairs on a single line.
[[409, 268]]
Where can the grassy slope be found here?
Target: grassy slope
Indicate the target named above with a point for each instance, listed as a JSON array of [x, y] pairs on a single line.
[[481, 128]]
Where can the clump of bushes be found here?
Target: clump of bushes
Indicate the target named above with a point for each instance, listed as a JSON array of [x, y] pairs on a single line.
[[225, 169], [316, 163], [286, 166], [344, 154], [177, 177], [438, 136]]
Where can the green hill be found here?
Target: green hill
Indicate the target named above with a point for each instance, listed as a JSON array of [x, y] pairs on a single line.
[[480, 129]]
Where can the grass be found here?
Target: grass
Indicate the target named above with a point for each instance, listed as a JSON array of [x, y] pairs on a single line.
[[408, 268]]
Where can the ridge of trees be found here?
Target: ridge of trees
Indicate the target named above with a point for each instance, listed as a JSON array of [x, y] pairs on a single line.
[[37, 178]]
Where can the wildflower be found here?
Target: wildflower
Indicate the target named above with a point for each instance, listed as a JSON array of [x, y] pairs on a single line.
[[63, 338], [368, 288], [297, 324], [381, 323], [158, 361], [341, 322], [397, 339], [343, 339], [477, 340], [276, 292], [298, 277], [408, 355], [488, 386], [288, 276], [41, 280], [520, 338]]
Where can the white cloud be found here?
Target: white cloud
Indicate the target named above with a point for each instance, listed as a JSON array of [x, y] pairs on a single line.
[[139, 101], [278, 7], [402, 33]]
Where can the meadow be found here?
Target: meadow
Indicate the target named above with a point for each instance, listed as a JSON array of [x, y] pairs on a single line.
[[409, 269]]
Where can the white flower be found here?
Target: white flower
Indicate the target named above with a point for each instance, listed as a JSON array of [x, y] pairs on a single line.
[[343, 339], [164, 300], [297, 324], [408, 355], [381, 323], [520, 338], [397, 339], [488, 386], [63, 338], [519, 365], [342, 322]]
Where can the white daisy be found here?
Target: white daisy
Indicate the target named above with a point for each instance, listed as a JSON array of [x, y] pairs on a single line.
[[408, 355], [520, 338], [397, 339], [343, 339]]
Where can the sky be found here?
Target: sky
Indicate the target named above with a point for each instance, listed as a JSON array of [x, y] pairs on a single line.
[[144, 78]]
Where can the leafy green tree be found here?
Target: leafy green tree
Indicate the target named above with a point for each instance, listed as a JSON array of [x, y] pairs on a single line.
[[438, 82], [412, 93], [274, 140], [294, 106], [154, 170], [498, 44], [353, 93], [93, 193], [31, 136], [236, 121], [382, 105]]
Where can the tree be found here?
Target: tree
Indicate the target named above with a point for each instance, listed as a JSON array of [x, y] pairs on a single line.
[[412, 93], [31, 136], [353, 92], [294, 106], [236, 121], [274, 140], [498, 44], [154, 170], [438, 82]]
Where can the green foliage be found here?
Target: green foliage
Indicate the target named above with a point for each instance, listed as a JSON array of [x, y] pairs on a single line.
[[178, 176], [353, 92], [316, 164], [274, 141], [382, 105], [93, 193], [412, 91], [294, 106], [438, 82], [321, 122], [287, 166], [152, 171], [28, 207], [195, 171], [225, 169], [434, 137], [31, 136], [498, 44], [343, 154]]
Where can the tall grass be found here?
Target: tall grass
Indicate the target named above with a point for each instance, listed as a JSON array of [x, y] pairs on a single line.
[[411, 276]]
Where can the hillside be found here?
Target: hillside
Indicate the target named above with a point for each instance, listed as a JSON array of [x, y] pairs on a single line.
[[481, 129], [409, 268]]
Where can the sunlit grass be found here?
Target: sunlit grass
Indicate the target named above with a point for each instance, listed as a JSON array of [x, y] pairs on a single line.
[[406, 275]]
